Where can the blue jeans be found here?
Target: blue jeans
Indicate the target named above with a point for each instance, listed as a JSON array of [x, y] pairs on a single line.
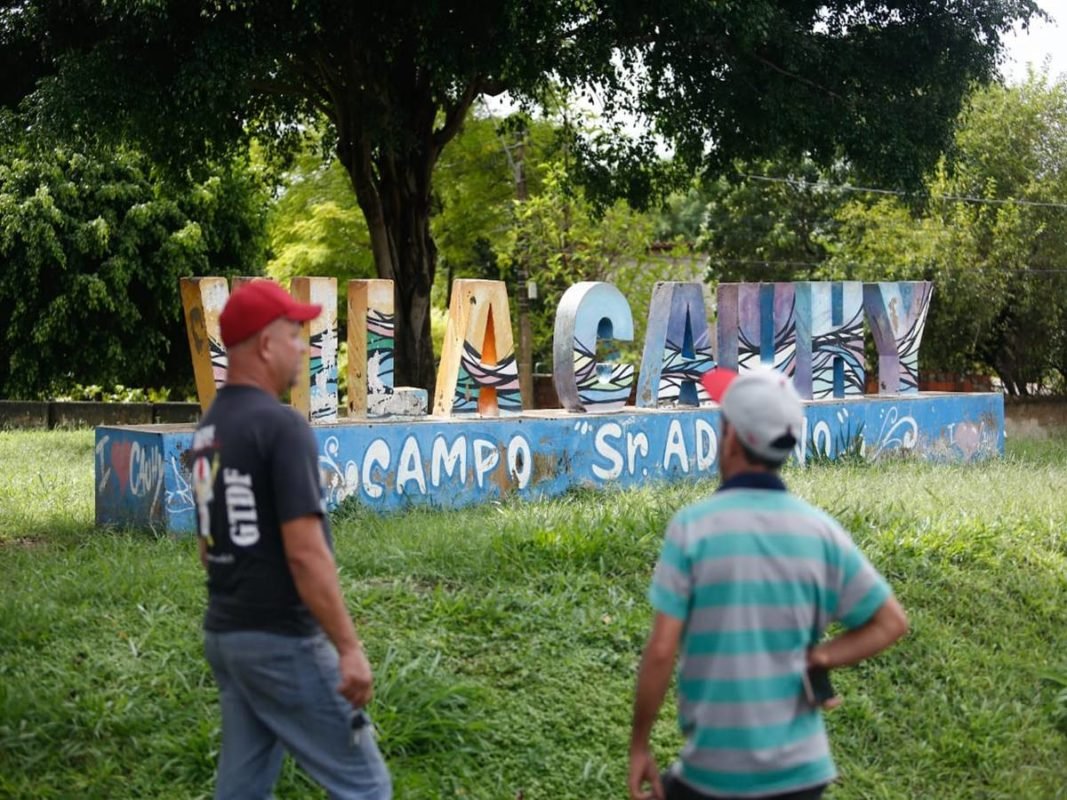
[[279, 693]]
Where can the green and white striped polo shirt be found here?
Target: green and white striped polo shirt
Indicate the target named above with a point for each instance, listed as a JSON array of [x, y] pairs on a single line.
[[757, 575]]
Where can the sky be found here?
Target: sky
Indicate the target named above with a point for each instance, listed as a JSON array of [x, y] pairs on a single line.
[[1044, 39]]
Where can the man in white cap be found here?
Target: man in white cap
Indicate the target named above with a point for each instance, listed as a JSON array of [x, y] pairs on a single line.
[[290, 668], [747, 582]]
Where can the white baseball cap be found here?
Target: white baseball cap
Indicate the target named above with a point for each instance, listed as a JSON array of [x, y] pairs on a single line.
[[762, 406]]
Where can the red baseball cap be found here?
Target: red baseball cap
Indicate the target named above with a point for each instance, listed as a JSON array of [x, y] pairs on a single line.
[[716, 381], [256, 305]]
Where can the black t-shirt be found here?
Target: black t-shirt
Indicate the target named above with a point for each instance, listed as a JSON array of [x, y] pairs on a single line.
[[255, 467]]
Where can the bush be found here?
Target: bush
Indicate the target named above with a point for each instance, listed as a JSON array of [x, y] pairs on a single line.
[[91, 251]]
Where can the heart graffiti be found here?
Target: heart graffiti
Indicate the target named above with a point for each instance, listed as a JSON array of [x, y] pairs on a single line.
[[120, 464]]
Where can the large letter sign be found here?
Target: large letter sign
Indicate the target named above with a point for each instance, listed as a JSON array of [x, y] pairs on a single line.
[[316, 392], [897, 313], [829, 325], [591, 311], [370, 345], [810, 330], [757, 325], [478, 371], [202, 300], [677, 346]]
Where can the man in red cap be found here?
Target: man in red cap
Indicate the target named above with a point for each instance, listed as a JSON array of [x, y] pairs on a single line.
[[747, 582], [290, 668]]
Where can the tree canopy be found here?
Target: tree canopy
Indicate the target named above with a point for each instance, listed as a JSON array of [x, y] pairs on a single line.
[[877, 83], [988, 227], [993, 237]]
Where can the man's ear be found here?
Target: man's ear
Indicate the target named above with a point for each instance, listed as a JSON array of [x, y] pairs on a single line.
[[264, 342], [729, 442]]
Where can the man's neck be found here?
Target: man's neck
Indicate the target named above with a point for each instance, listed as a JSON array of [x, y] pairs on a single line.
[[241, 375], [729, 471], [757, 479]]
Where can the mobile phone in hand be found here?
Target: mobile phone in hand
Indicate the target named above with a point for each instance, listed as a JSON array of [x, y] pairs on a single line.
[[817, 686]]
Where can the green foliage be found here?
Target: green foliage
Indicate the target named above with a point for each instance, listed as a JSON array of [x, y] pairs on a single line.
[[1057, 679], [880, 85], [91, 249], [117, 394], [770, 220], [474, 188], [558, 240], [1011, 145], [505, 637], [885, 240], [998, 266], [315, 227]]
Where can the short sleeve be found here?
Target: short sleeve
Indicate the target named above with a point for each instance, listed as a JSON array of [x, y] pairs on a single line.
[[863, 590], [672, 580], [295, 470]]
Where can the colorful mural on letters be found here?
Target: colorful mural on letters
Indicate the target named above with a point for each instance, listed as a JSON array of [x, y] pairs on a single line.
[[202, 302], [590, 311], [477, 377], [478, 372], [812, 330], [757, 325], [829, 331], [317, 396], [371, 345], [897, 315], [677, 347]]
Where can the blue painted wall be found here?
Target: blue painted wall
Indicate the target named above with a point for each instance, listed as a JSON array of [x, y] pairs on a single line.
[[143, 472]]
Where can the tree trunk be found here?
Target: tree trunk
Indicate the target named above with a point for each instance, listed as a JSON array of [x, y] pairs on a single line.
[[412, 269], [392, 177], [393, 191]]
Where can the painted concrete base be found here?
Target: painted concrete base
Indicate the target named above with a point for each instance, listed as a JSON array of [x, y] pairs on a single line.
[[403, 401], [143, 472]]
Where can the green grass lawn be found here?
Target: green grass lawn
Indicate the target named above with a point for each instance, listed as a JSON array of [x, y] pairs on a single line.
[[505, 638]]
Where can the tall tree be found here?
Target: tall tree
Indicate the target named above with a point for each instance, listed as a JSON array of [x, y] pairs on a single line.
[[880, 82]]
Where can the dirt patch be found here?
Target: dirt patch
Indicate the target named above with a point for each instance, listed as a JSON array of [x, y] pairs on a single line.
[[22, 542]]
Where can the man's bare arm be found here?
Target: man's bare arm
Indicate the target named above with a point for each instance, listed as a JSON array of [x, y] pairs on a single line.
[[653, 678], [315, 575], [887, 625]]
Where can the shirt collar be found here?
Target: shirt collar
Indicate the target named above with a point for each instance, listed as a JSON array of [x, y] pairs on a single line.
[[754, 480]]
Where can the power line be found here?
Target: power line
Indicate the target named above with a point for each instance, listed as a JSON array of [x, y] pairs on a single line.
[[798, 183], [771, 262], [705, 261]]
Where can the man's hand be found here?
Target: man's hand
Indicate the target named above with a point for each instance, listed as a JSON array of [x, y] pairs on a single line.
[[818, 658], [643, 770], [653, 677], [357, 682]]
